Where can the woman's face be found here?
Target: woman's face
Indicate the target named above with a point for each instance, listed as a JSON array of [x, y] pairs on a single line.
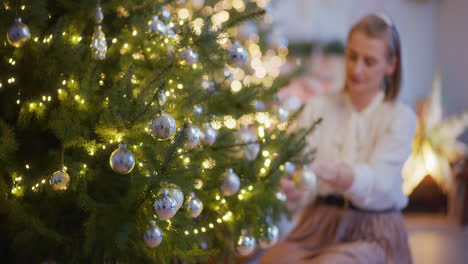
[[366, 63]]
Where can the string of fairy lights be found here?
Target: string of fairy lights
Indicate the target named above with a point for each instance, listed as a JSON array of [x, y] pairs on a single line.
[[266, 67]]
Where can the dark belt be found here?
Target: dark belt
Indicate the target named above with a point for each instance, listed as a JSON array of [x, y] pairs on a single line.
[[341, 202]]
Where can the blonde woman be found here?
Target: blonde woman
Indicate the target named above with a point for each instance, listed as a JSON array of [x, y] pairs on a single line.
[[362, 144]]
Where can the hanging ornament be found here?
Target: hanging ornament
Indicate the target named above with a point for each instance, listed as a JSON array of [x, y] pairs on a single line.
[[99, 16], [170, 50], [203, 244], [175, 193], [153, 236], [189, 56], [230, 184], [165, 206], [163, 126], [171, 33], [259, 105], [208, 85], [165, 13], [122, 160], [223, 75], [289, 168], [209, 134], [193, 137], [245, 244], [193, 205], [60, 180], [99, 44], [198, 184], [305, 179], [162, 98], [237, 55], [282, 114], [197, 110], [281, 196], [247, 139], [18, 34], [269, 235], [157, 26], [291, 103]]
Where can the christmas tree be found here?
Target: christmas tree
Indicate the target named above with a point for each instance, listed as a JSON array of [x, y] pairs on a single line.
[[126, 137]]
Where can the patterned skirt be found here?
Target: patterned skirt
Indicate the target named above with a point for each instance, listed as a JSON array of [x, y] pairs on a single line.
[[330, 234]]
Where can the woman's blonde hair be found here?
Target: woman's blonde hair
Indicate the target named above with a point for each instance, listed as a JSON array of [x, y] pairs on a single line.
[[381, 26]]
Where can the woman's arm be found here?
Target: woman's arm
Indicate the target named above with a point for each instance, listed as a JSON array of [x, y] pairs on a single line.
[[376, 184], [341, 176]]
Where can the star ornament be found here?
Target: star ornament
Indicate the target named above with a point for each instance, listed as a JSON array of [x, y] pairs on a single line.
[[435, 145]]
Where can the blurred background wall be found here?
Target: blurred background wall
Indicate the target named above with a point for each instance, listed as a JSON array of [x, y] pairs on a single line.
[[434, 36]]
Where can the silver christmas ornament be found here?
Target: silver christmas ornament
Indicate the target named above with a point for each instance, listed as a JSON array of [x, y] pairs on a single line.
[[99, 15], [99, 44], [223, 75], [18, 34], [281, 196], [259, 105], [289, 168], [162, 98], [165, 206], [171, 33], [208, 85], [269, 235], [282, 114], [60, 180], [197, 110], [237, 55], [189, 56], [163, 126], [250, 148], [203, 244], [175, 193], [291, 103], [165, 13], [305, 179], [230, 183], [193, 137], [157, 26], [245, 244], [193, 205], [170, 50], [122, 160], [209, 134], [153, 236]]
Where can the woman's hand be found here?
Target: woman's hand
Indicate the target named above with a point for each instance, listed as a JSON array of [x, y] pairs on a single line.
[[340, 176], [289, 189], [296, 199]]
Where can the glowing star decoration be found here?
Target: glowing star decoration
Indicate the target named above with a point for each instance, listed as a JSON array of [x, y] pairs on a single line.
[[435, 145]]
